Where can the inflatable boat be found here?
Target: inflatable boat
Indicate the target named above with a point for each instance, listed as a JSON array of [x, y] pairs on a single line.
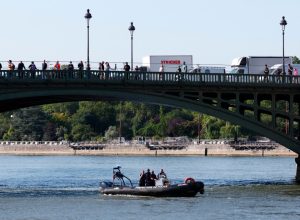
[[188, 188]]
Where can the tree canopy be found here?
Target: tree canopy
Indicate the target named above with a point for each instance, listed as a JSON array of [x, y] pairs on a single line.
[[83, 121]]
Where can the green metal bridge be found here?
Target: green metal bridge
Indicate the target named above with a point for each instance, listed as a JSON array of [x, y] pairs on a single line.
[[269, 106]]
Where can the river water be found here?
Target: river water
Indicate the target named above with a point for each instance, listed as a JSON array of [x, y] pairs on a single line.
[[66, 187]]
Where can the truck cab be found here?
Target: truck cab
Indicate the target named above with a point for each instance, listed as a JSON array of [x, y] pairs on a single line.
[[239, 65]]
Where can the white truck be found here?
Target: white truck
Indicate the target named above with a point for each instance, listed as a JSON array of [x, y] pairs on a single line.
[[170, 63], [256, 64]]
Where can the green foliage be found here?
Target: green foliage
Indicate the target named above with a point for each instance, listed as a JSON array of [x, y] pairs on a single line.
[[82, 132], [111, 133], [296, 60], [81, 121], [28, 124]]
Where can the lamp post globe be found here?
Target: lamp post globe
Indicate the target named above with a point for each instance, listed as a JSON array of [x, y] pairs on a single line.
[[131, 30], [283, 23], [88, 16]]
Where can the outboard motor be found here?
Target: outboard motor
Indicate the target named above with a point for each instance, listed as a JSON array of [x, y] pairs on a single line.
[[106, 184]]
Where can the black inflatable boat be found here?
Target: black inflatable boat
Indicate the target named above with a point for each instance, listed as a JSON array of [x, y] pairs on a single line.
[[188, 188]]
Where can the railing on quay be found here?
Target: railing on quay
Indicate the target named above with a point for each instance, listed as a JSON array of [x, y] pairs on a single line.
[[143, 77]]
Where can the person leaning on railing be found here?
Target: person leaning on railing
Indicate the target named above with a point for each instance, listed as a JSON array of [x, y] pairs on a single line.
[[21, 68], [32, 69]]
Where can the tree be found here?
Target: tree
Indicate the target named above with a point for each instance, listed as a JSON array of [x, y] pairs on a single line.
[[5, 125], [97, 115], [296, 60], [28, 124], [111, 133], [82, 132], [49, 132]]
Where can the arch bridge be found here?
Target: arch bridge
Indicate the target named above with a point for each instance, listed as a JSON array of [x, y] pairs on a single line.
[[266, 105]]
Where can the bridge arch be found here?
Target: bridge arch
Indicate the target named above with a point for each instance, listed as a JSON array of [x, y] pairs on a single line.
[[22, 99]]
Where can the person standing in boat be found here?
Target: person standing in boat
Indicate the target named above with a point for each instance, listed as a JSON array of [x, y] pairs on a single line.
[[162, 174], [142, 178], [153, 178], [148, 178]]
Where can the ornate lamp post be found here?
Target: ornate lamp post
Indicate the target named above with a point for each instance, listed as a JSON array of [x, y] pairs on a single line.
[[88, 16], [283, 23], [131, 30]]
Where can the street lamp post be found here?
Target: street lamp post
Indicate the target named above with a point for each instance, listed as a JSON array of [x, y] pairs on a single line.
[[131, 29], [88, 16], [283, 23]]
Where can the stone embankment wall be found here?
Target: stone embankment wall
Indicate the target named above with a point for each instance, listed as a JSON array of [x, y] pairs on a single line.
[[207, 148], [35, 148]]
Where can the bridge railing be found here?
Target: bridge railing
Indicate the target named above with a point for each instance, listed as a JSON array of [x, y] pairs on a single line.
[[138, 77]]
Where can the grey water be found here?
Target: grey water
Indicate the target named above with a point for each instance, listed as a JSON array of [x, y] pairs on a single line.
[[66, 187]]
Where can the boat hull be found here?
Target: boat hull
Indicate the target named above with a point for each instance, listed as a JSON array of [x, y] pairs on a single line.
[[180, 190]]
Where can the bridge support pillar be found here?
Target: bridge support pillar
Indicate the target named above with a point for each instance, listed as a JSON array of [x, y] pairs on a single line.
[[297, 160]]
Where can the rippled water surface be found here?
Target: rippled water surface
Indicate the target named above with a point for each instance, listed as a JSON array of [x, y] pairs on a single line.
[[66, 187]]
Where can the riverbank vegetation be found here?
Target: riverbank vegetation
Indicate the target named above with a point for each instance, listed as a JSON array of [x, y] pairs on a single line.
[[82, 121]]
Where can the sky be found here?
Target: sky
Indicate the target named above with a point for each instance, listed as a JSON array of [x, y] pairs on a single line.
[[214, 31]]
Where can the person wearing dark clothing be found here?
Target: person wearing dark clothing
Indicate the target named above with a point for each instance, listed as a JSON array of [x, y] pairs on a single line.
[[44, 68], [153, 178], [126, 67], [0, 66], [102, 66], [80, 65], [178, 74], [44, 65], [101, 70], [21, 68], [32, 69], [136, 75], [266, 72], [148, 178], [290, 70], [70, 70], [278, 73], [142, 178], [80, 68]]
